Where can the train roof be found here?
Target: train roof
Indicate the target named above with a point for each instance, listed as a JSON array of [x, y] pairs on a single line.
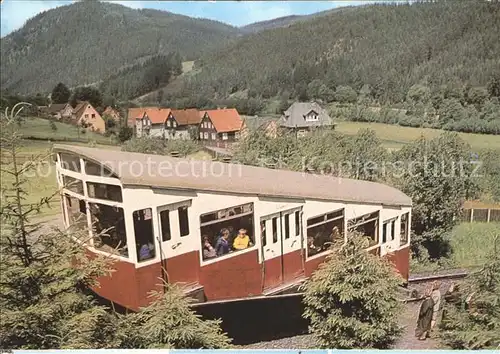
[[157, 171]]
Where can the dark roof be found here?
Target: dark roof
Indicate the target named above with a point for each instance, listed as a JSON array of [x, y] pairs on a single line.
[[56, 108], [168, 172], [186, 116], [294, 116]]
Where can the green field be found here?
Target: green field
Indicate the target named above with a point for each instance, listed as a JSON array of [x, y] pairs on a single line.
[[38, 128], [471, 244], [395, 136]]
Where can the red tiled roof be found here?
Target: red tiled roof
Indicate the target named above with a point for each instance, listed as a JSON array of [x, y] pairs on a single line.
[[187, 116], [225, 120], [155, 114]]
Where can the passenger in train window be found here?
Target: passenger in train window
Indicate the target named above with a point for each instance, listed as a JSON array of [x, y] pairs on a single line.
[[242, 241], [146, 251], [232, 234], [311, 247], [222, 246], [208, 250]]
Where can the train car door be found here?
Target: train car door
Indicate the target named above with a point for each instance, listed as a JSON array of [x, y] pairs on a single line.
[[281, 235]]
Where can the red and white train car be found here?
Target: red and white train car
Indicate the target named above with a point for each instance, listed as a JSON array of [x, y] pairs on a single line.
[[167, 215]]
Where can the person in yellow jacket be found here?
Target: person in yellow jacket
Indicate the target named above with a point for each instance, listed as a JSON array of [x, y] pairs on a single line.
[[242, 241]]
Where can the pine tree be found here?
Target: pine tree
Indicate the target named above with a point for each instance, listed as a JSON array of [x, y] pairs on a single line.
[[474, 322], [169, 322], [351, 300], [60, 93], [44, 274]]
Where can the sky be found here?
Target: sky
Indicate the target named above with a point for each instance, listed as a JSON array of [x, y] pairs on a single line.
[[14, 13]]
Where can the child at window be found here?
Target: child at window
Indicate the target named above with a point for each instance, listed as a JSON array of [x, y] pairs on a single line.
[[242, 241], [208, 250]]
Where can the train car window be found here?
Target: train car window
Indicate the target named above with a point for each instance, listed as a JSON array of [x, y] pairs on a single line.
[[384, 232], [323, 231], [73, 184], [263, 233], [70, 162], [297, 223], [165, 225], [144, 234], [227, 230], [275, 229], [287, 226], [77, 212], [183, 221], [367, 225], [404, 229], [393, 230], [108, 226], [105, 191], [94, 169]]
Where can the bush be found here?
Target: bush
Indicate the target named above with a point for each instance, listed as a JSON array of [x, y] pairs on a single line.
[[473, 322], [125, 134], [158, 146], [351, 300]]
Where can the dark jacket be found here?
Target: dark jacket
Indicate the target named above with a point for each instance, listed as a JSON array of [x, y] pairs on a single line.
[[222, 246]]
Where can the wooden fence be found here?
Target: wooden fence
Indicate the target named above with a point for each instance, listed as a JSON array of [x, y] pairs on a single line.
[[474, 211]]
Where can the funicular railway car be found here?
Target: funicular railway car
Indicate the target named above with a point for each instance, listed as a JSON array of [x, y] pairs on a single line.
[[222, 231]]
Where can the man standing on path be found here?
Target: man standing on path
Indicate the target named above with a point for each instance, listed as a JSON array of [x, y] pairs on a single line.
[[436, 297]]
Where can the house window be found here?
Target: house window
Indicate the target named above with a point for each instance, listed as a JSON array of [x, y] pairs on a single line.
[[165, 225], [366, 225], [210, 125], [201, 135], [384, 232], [206, 135], [237, 135], [214, 136], [404, 229], [227, 230], [224, 136], [312, 117], [93, 115], [168, 123], [323, 230], [86, 115], [144, 234], [174, 124]]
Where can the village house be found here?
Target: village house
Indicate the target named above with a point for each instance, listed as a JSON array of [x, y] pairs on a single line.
[[86, 116], [152, 123], [220, 127], [182, 124], [59, 111], [302, 117], [268, 126], [112, 113]]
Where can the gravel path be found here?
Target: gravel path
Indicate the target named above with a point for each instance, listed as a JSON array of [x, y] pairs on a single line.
[[407, 341]]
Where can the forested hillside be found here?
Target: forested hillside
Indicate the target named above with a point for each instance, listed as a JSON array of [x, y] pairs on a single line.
[[385, 49], [269, 24], [84, 42]]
